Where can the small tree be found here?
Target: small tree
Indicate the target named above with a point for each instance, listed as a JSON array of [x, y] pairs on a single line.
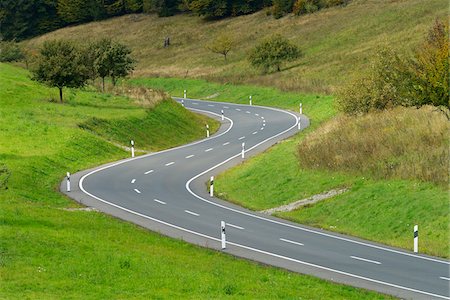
[[221, 45], [60, 65], [111, 59], [272, 52]]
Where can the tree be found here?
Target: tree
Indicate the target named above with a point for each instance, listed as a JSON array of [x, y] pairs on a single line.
[[221, 45], [60, 65], [110, 59], [273, 52]]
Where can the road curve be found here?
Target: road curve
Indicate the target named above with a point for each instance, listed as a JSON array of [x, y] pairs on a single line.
[[166, 192]]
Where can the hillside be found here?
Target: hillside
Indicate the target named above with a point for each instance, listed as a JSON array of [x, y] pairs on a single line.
[[337, 42]]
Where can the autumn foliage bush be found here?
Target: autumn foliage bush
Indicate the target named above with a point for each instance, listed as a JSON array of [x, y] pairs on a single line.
[[393, 80]]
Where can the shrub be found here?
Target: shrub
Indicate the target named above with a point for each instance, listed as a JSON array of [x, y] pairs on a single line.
[[10, 51], [273, 52], [393, 80]]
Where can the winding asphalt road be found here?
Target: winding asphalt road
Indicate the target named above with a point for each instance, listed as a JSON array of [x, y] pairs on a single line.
[[166, 192]]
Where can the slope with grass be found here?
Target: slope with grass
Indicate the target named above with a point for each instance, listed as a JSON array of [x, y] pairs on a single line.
[[336, 42], [377, 207], [49, 252]]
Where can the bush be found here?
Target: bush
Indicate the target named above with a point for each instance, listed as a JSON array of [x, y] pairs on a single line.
[[10, 51], [393, 80], [273, 52]]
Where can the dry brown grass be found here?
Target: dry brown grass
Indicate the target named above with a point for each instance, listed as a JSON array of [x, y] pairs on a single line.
[[404, 143], [144, 97], [337, 42]]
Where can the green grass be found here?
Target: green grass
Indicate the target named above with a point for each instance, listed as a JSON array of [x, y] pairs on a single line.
[[275, 178], [337, 42], [50, 253]]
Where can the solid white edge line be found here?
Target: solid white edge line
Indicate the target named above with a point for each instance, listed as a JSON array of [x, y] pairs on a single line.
[[148, 172], [80, 184], [189, 156], [292, 242], [235, 226], [133, 181], [191, 213], [444, 278], [207, 150], [242, 212], [159, 201], [366, 260], [137, 191], [169, 164]]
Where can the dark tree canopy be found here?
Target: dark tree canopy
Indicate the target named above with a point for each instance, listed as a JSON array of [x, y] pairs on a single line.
[[273, 52]]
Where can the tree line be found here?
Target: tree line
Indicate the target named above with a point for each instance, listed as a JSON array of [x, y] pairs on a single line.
[[20, 19], [62, 63]]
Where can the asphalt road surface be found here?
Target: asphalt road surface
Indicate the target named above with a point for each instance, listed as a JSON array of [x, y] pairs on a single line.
[[167, 192]]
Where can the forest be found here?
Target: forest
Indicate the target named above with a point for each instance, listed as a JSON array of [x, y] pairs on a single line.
[[21, 19]]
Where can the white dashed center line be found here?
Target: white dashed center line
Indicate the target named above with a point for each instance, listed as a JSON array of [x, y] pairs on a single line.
[[159, 201], [241, 138], [224, 144], [444, 278], [195, 103], [264, 124], [148, 172], [366, 260], [262, 118], [238, 109], [257, 115], [133, 181], [255, 132], [169, 164], [291, 242], [191, 213], [189, 156], [235, 226], [262, 128], [137, 191], [225, 107], [210, 105], [247, 112], [207, 150]]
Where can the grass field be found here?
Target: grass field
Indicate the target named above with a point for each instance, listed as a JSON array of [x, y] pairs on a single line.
[[47, 252], [337, 42]]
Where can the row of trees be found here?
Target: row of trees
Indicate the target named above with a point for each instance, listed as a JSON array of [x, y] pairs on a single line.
[[20, 19], [394, 79], [64, 64]]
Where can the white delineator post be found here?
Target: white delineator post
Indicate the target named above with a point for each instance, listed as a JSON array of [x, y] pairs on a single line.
[[301, 109], [68, 181], [250, 100], [207, 130], [184, 94], [211, 186], [182, 102], [299, 124], [243, 150], [416, 238], [222, 234], [132, 148], [222, 114]]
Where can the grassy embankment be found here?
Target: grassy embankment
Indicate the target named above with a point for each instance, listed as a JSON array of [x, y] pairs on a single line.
[[336, 42], [377, 207], [47, 252]]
